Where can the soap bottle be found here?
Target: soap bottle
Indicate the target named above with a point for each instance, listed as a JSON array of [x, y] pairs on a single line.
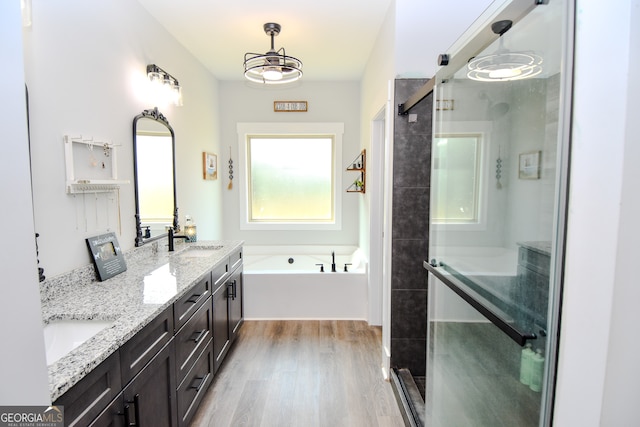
[[190, 229], [526, 364], [537, 371]]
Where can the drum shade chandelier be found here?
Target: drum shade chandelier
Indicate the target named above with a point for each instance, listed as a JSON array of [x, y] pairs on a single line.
[[273, 67], [503, 64]]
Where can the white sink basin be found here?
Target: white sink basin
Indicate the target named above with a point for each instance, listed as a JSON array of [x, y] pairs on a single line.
[[200, 252], [62, 336]]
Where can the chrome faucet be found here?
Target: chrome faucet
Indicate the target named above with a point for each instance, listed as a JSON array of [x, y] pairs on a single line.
[[172, 236], [333, 262]]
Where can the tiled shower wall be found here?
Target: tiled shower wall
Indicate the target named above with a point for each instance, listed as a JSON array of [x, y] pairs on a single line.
[[410, 235]]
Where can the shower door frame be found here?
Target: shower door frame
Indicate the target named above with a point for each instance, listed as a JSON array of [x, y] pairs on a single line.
[[478, 37]]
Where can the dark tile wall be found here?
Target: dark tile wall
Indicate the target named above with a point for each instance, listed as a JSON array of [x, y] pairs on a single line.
[[410, 235]]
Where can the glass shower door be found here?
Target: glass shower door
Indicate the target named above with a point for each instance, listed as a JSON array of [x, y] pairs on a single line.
[[497, 221]]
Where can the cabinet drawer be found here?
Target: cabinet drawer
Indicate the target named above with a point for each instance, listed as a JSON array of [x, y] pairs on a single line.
[[184, 308], [143, 346], [194, 386], [235, 259], [219, 275], [192, 338], [85, 400]]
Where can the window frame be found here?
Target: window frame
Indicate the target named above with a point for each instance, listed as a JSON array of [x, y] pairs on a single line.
[[288, 130]]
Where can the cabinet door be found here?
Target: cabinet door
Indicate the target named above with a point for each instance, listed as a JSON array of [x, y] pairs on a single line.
[[112, 416], [236, 309], [220, 325], [150, 398]]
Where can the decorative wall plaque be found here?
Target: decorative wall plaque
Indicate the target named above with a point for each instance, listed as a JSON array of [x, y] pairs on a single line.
[[289, 106], [107, 255]]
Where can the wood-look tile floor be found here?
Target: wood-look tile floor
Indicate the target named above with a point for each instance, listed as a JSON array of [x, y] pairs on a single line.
[[301, 374]]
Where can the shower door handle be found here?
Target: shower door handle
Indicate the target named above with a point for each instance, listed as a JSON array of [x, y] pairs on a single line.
[[488, 310]]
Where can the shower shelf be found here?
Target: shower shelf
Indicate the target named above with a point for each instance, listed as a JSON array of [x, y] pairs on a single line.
[[359, 164]]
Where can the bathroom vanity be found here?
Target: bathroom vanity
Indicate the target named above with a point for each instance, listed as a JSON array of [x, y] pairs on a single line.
[[171, 319]]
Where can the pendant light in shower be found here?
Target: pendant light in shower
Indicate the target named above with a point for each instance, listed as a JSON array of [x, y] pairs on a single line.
[[504, 65], [273, 67]]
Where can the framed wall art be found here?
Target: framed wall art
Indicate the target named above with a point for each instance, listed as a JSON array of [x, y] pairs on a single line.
[[209, 166], [529, 165]]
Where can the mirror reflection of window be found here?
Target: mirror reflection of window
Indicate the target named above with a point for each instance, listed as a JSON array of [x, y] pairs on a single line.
[[155, 181]]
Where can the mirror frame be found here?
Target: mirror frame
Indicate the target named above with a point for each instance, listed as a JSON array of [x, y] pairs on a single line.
[[153, 114]]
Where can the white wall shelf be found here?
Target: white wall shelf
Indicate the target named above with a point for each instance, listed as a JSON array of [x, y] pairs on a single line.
[[91, 166]]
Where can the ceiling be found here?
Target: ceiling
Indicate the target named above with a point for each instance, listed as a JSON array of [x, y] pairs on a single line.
[[332, 38]]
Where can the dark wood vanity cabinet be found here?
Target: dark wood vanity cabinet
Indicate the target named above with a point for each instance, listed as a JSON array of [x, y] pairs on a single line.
[[228, 309], [159, 377]]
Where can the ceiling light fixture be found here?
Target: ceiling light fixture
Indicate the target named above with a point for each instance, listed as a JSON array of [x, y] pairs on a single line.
[[504, 65], [273, 67]]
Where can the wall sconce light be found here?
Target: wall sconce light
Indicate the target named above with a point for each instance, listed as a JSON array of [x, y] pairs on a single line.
[[165, 85]]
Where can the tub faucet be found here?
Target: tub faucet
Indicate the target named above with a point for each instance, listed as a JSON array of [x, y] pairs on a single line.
[[172, 236], [333, 262]]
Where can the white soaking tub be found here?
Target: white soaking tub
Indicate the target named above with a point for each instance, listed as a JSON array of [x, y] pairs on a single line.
[[285, 282]]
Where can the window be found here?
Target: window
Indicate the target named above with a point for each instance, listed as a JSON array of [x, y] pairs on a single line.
[[291, 177], [455, 176], [460, 174]]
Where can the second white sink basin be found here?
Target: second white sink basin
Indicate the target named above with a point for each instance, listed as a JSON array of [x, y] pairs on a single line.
[[62, 336], [200, 252]]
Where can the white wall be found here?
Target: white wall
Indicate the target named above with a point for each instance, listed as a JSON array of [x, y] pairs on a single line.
[[598, 364], [327, 102], [22, 359], [84, 63], [622, 388]]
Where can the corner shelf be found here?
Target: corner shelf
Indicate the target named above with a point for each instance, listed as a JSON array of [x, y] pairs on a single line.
[[99, 171], [359, 164]]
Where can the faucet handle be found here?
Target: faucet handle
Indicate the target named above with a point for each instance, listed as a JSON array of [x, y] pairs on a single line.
[[345, 267], [321, 268]]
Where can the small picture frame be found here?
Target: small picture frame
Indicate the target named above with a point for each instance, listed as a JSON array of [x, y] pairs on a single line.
[[209, 166], [107, 255], [529, 165]]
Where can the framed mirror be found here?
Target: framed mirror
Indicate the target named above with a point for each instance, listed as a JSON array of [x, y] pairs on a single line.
[[154, 170]]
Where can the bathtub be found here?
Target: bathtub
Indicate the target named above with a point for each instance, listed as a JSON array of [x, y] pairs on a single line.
[[285, 282]]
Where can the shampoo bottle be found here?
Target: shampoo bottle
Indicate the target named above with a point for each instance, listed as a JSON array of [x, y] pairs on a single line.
[[525, 364], [537, 371]]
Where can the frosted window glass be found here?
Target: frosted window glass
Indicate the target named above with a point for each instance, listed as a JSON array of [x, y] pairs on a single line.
[[455, 178], [291, 179]]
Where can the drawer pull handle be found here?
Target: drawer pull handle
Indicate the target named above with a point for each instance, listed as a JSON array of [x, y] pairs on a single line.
[[136, 412], [202, 382], [194, 298], [197, 336]]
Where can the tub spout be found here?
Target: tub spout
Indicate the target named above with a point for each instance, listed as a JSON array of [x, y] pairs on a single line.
[[333, 261]]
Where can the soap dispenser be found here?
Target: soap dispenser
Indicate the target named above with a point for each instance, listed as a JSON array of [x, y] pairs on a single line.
[[537, 371], [190, 229], [526, 358]]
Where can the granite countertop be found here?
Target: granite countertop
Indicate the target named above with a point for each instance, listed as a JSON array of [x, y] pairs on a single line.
[[131, 300]]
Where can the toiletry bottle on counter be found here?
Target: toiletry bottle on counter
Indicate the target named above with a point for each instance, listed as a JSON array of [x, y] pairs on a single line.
[[537, 371], [526, 364], [190, 229]]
